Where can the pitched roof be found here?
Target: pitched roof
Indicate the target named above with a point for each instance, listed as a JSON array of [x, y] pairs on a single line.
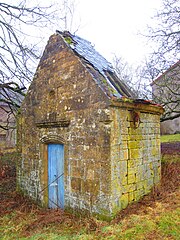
[[98, 66], [177, 64]]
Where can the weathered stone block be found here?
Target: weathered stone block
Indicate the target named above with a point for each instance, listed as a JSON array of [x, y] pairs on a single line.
[[135, 153], [131, 197], [124, 200], [131, 178], [129, 188], [76, 184]]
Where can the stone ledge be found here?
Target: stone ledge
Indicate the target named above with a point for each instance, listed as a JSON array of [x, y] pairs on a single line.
[[142, 107], [50, 124]]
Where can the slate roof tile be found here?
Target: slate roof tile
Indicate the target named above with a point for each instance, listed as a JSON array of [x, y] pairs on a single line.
[[112, 85]]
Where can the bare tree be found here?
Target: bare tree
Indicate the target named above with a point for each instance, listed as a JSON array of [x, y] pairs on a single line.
[[22, 28], [67, 9], [125, 73], [166, 91], [136, 78], [144, 75], [164, 34], [17, 56], [161, 87], [123, 69]]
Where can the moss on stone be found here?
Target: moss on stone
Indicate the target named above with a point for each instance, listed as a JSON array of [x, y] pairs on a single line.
[[68, 40]]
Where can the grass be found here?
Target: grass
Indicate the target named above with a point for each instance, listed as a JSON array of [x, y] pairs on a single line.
[[152, 225], [170, 138], [169, 224], [156, 216], [170, 145]]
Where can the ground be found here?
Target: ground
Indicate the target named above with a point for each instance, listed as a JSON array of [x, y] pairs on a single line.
[[156, 216], [170, 148]]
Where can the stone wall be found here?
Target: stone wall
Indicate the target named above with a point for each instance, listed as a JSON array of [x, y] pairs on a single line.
[[65, 104], [170, 126], [135, 155], [109, 159], [87, 163]]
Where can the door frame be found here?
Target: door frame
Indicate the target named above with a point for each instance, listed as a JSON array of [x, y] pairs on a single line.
[[58, 178], [44, 141]]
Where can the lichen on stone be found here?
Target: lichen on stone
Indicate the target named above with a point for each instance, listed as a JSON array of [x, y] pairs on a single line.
[[68, 40]]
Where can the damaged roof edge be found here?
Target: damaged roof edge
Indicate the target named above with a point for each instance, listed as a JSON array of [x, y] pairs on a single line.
[[84, 49], [138, 105]]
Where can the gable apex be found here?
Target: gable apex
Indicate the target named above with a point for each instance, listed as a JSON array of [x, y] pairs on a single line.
[[97, 65]]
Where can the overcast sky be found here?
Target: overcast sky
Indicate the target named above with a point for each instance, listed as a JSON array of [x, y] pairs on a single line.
[[112, 25]]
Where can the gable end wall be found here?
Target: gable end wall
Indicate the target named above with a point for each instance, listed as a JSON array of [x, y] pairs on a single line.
[[64, 104]]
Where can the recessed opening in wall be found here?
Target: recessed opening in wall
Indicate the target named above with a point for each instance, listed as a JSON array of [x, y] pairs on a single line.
[[52, 116], [52, 94], [135, 119]]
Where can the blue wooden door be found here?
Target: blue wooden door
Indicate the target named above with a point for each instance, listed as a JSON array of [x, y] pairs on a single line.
[[56, 175]]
